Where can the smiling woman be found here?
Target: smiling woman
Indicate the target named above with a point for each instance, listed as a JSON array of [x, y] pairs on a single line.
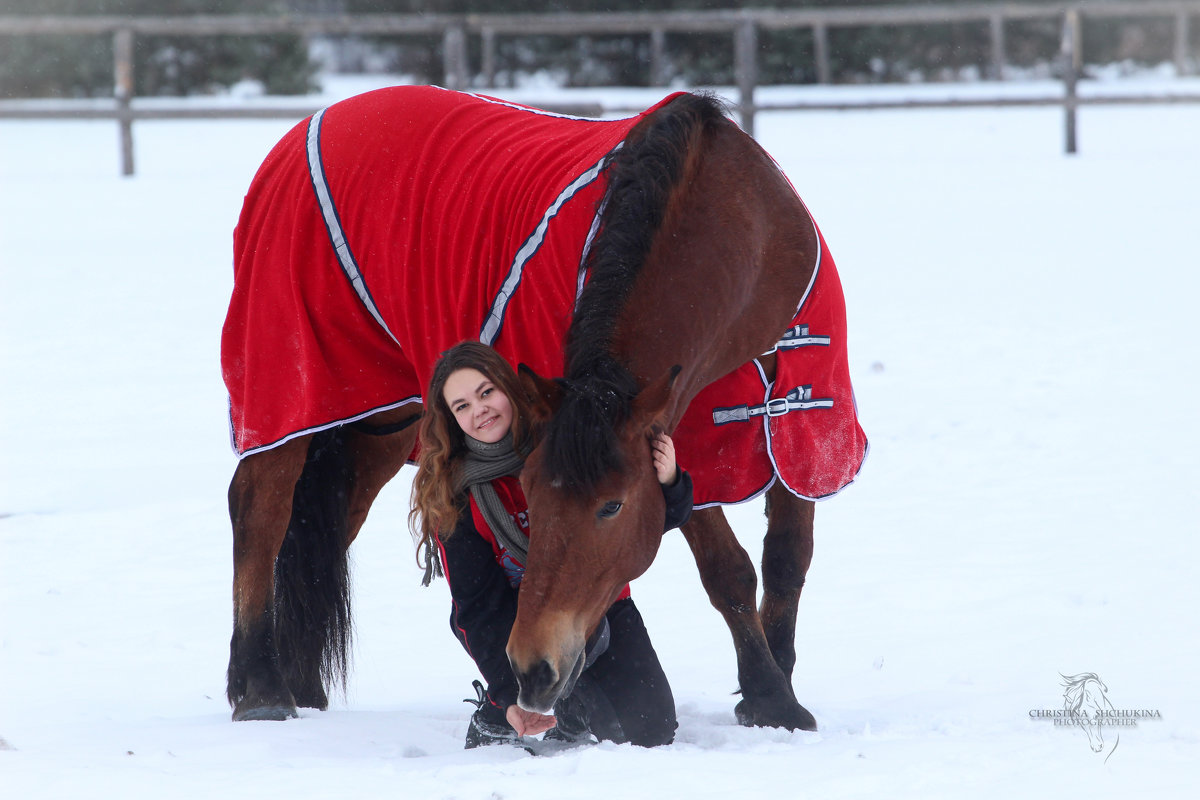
[[480, 409], [470, 510]]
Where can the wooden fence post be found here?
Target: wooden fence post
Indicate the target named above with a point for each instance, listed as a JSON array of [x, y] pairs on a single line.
[[488, 43], [658, 57], [999, 62], [821, 52], [1072, 60], [1183, 62], [745, 67], [454, 56], [123, 92]]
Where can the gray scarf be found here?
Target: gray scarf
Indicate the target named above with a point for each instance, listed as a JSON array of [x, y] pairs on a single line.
[[482, 464]]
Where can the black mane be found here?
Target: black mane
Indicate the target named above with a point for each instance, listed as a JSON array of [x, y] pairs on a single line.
[[581, 442]]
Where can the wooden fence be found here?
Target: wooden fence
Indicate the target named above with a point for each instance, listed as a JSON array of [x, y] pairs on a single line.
[[742, 26]]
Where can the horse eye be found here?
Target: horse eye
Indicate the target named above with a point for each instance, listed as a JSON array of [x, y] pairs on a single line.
[[609, 510]]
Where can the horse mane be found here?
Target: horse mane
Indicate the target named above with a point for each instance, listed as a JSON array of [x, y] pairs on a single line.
[[581, 442]]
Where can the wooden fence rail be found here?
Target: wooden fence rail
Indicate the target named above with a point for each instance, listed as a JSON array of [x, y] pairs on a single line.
[[742, 25]]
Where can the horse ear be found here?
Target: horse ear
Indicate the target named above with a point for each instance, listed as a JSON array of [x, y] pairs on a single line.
[[545, 395], [652, 401]]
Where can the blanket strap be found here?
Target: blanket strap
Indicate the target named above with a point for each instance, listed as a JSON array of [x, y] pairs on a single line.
[[333, 223], [798, 336], [385, 430], [798, 399], [495, 318]]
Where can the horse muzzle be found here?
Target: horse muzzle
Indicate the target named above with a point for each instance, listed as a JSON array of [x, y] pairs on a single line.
[[541, 685]]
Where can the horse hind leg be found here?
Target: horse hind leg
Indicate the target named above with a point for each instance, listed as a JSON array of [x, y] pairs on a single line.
[[345, 469], [260, 505], [291, 578], [295, 510], [729, 578], [379, 446], [312, 575], [787, 554]]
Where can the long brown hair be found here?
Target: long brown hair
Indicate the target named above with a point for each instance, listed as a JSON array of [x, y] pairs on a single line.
[[435, 506]]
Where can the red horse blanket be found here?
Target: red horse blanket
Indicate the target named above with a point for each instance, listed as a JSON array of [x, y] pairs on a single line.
[[743, 432], [392, 225]]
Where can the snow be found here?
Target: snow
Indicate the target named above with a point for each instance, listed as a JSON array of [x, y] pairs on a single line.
[[1022, 345]]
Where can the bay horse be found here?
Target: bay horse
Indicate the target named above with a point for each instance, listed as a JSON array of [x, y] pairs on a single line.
[[694, 255]]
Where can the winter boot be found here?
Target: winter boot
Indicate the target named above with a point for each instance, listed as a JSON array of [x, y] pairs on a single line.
[[488, 724], [588, 710], [572, 727]]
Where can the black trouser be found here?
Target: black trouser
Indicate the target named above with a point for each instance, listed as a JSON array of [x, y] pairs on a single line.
[[627, 685]]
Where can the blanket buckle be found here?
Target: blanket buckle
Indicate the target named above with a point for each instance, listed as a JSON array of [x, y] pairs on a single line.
[[777, 407]]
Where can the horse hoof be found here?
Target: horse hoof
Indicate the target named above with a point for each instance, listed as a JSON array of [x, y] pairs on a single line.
[[276, 713], [313, 698], [791, 715]]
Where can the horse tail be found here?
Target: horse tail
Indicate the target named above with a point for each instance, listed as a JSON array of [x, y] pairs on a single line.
[[313, 626]]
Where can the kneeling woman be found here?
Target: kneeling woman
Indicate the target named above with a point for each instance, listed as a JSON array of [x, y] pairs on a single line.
[[468, 503]]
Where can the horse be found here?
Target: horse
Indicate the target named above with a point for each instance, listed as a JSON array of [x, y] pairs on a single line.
[[688, 258]]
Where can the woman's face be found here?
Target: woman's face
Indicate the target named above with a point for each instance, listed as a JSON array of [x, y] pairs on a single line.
[[480, 408]]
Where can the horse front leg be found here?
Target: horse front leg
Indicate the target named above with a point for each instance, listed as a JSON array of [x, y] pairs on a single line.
[[728, 576], [787, 554], [260, 505]]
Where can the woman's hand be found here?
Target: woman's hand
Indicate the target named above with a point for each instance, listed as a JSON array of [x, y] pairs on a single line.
[[528, 723], [663, 451]]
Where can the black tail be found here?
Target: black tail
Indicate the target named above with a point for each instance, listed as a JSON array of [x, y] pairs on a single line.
[[312, 576]]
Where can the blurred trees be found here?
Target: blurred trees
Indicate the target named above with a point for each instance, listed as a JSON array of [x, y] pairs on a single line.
[[82, 66], [859, 54]]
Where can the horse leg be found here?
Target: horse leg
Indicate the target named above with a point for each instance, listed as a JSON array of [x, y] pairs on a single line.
[[379, 447], [295, 511], [787, 554], [345, 470], [260, 505], [312, 575], [728, 576]]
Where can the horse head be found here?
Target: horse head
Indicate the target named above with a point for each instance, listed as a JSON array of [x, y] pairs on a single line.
[[597, 512]]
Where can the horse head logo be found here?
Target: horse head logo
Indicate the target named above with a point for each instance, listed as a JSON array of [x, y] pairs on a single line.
[[1085, 696]]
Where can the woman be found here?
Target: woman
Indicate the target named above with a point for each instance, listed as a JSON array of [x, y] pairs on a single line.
[[468, 504]]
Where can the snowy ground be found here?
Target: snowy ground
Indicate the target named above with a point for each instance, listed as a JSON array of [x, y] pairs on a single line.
[[1024, 355]]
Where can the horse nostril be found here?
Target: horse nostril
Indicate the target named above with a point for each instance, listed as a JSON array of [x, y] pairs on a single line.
[[542, 675]]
